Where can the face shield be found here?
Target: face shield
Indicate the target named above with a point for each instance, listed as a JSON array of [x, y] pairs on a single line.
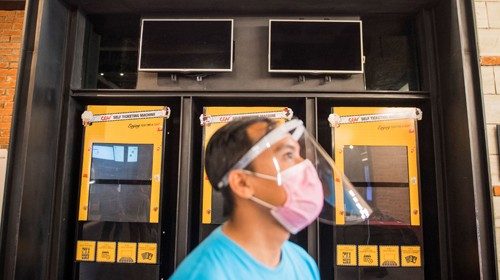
[[290, 158]]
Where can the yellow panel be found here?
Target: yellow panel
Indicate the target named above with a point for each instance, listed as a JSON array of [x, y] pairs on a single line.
[[389, 256], [346, 255], [367, 255], [136, 131], [410, 256], [402, 132], [106, 252], [208, 131], [146, 253], [127, 252], [85, 251]]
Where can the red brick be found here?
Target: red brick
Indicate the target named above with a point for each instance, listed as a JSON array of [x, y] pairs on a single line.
[[6, 52], [18, 26], [6, 85], [6, 112], [9, 32], [15, 39], [7, 13], [490, 60], [8, 72], [9, 58], [10, 45], [10, 91], [6, 25], [13, 65]]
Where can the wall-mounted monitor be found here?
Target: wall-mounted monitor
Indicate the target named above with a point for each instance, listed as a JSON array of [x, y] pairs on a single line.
[[186, 45], [315, 46]]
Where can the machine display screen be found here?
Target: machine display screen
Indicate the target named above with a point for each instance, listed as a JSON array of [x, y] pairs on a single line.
[[120, 182], [380, 175]]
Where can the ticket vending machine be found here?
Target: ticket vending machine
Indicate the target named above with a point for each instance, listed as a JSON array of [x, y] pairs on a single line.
[[119, 202], [376, 149], [212, 119]]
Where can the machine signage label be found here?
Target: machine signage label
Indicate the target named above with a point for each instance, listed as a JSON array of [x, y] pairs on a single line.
[[88, 117], [127, 252], [85, 251], [367, 255], [106, 252], [146, 253], [389, 256], [346, 255], [410, 256]]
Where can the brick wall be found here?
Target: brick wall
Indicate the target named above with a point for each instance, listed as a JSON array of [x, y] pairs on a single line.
[[488, 30], [11, 27]]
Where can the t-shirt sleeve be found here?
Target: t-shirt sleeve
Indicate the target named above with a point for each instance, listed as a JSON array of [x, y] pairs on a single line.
[[313, 267]]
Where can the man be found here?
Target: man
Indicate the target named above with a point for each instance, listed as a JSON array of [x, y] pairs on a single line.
[[247, 160]]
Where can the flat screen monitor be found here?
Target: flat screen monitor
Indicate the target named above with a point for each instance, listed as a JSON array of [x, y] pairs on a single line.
[[186, 45], [315, 46]]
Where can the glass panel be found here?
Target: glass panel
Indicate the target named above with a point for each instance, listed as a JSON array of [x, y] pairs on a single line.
[[119, 203], [391, 54], [120, 182], [111, 52], [380, 175]]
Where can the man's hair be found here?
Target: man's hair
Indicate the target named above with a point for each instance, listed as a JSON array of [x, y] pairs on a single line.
[[226, 147]]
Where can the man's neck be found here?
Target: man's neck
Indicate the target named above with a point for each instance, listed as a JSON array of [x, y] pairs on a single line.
[[261, 238]]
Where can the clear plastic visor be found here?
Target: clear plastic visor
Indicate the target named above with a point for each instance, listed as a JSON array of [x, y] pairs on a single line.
[[283, 156]]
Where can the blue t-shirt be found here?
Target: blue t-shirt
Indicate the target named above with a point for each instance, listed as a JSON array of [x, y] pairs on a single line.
[[218, 257]]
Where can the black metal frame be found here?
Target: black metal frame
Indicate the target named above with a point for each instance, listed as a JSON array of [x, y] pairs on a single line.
[[37, 234]]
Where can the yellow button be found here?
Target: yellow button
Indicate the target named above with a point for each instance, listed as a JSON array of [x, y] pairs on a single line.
[[367, 255], [389, 256], [410, 256], [346, 255], [127, 252], [85, 251], [146, 253], [106, 252]]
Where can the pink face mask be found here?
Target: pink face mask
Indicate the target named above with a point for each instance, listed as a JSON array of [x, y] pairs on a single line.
[[304, 197]]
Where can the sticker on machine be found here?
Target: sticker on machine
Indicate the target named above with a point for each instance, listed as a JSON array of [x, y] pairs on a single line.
[[127, 252], [410, 256], [85, 251], [389, 256], [346, 255], [206, 119], [336, 120], [88, 118]]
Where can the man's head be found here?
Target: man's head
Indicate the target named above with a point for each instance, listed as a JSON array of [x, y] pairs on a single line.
[[227, 146], [266, 178]]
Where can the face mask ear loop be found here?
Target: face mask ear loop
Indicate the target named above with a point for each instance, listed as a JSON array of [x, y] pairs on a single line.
[[262, 202]]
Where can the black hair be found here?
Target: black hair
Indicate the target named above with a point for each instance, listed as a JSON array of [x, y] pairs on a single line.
[[224, 149]]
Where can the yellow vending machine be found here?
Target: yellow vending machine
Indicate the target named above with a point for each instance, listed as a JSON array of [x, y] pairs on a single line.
[[119, 204], [212, 119], [376, 148]]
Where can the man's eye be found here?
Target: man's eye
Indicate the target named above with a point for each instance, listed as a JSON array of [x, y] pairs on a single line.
[[289, 155]]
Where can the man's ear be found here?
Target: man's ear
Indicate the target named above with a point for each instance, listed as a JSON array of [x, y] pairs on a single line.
[[238, 182]]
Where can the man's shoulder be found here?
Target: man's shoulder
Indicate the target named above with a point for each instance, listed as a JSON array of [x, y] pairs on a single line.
[[204, 262], [300, 258], [295, 249]]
